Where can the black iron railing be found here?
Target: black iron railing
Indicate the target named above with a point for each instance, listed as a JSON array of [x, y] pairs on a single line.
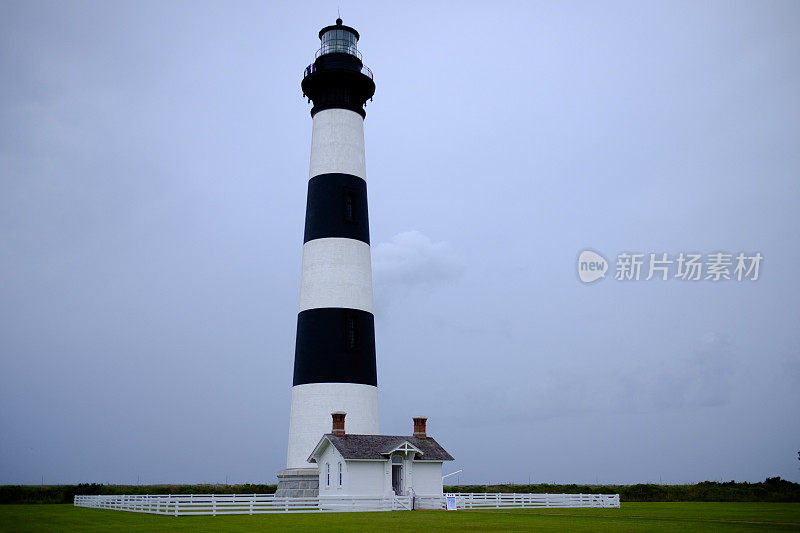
[[312, 68]]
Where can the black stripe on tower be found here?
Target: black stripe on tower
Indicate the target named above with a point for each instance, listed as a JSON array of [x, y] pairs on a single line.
[[337, 207], [335, 345]]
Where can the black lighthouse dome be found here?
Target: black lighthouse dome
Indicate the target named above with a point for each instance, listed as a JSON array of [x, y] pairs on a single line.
[[338, 77]]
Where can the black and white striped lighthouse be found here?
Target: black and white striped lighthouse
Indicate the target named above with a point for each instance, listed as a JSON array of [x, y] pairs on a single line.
[[334, 365]]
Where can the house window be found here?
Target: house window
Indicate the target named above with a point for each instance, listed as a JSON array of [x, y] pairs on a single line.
[[328, 473], [340, 473], [351, 333]]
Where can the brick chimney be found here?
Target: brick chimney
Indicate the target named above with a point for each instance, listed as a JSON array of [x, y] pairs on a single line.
[[338, 423], [419, 427]]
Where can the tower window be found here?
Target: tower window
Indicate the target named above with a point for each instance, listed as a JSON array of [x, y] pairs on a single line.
[[351, 333], [328, 474], [340, 473], [350, 206]]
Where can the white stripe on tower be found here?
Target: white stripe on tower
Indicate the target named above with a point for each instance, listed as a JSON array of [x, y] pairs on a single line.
[[335, 367], [337, 143], [336, 273]]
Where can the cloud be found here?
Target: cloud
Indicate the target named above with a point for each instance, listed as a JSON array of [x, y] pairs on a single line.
[[703, 377], [411, 260]]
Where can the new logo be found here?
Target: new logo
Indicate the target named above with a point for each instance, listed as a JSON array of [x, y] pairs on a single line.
[[591, 266]]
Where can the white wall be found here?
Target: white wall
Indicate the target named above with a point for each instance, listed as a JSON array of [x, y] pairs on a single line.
[[366, 478], [332, 457], [427, 478], [359, 478]]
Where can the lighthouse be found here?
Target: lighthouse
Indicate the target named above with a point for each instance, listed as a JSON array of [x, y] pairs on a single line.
[[334, 361]]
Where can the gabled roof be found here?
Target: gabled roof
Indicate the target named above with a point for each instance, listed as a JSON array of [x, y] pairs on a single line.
[[377, 447], [404, 447]]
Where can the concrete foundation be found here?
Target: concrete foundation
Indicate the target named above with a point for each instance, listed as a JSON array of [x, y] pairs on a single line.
[[298, 483]]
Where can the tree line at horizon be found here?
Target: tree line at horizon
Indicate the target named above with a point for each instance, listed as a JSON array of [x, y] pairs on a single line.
[[772, 489]]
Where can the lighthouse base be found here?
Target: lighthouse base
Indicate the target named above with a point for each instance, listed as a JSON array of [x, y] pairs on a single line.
[[298, 483]]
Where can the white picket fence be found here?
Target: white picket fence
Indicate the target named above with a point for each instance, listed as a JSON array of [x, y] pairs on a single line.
[[495, 500], [222, 504]]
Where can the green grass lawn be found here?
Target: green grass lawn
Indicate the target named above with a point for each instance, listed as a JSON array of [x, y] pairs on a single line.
[[684, 517]]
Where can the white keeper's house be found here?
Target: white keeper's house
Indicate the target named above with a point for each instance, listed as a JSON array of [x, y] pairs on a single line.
[[378, 465]]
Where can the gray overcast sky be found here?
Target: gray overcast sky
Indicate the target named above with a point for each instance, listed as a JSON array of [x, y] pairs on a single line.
[[153, 166]]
